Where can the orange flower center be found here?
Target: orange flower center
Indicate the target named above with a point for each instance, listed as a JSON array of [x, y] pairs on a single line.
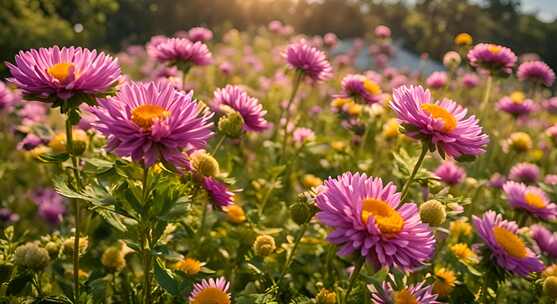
[[534, 199], [510, 242], [404, 297], [145, 115], [495, 49], [371, 87], [438, 112], [60, 71], [211, 295], [387, 219]]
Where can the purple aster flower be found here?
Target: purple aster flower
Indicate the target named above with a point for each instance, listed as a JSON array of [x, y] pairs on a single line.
[[87, 118], [308, 60], [7, 98], [50, 205], [151, 46], [497, 180], [226, 68], [249, 107], [182, 52], [32, 112], [508, 250], [302, 135], [201, 34], [418, 294], [443, 123], [470, 80], [517, 108], [29, 142], [210, 291], [552, 133], [450, 173], [368, 218], [536, 72], [151, 122], [551, 105], [7, 216], [437, 80], [361, 88], [525, 172], [56, 73], [547, 241], [382, 32], [530, 198], [218, 192], [330, 40], [494, 58], [275, 26], [550, 179]]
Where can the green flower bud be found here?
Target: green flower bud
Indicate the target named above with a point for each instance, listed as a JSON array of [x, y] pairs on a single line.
[[31, 256], [231, 124], [300, 212], [204, 164], [69, 244], [433, 212], [264, 245], [326, 296], [550, 287], [52, 248]]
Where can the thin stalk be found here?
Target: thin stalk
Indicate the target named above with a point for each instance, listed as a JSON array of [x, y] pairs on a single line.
[[414, 171], [353, 276], [293, 251], [219, 143], [296, 85], [487, 93], [203, 221], [146, 241]]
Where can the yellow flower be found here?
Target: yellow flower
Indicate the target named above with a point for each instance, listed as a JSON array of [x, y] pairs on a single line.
[[464, 253], [549, 271], [460, 227], [520, 141], [235, 214], [80, 140], [326, 296], [517, 96], [340, 102], [463, 39], [113, 259], [311, 180], [444, 282], [391, 128], [338, 145], [69, 245], [353, 109], [189, 266]]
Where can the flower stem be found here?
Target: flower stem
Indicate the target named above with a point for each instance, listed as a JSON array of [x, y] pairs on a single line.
[[296, 85], [77, 215], [486, 94], [219, 143], [146, 241], [353, 276], [293, 251], [203, 221], [414, 171]]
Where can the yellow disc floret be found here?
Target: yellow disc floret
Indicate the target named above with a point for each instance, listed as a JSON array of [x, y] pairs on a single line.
[[438, 112], [145, 115], [510, 242], [387, 219], [60, 71]]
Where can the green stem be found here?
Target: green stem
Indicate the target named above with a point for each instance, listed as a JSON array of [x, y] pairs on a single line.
[[487, 93], [268, 195], [353, 276], [203, 220], [219, 143], [293, 251], [296, 85], [414, 171], [77, 215], [146, 240], [36, 281]]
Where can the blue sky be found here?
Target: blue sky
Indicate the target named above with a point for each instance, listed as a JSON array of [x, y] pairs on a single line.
[[547, 9]]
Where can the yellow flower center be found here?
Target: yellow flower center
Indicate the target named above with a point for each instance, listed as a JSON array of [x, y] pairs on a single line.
[[445, 281], [438, 112], [145, 115], [211, 295], [354, 109], [517, 97], [60, 71], [340, 102], [387, 219], [404, 297], [371, 87], [534, 199], [235, 214], [494, 49], [189, 266], [510, 242]]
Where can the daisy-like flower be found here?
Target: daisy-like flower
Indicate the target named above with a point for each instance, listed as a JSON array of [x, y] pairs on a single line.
[[524, 172], [211, 291], [545, 239], [536, 72], [153, 122], [464, 253], [450, 173], [530, 198], [437, 80], [302, 135], [218, 192], [368, 218], [181, 52], [463, 39], [382, 32], [470, 80], [330, 40], [201, 34], [516, 107], [249, 107], [416, 294], [7, 98], [311, 62], [54, 74], [361, 88], [50, 205], [507, 248], [189, 266], [442, 123], [497, 59], [445, 280]]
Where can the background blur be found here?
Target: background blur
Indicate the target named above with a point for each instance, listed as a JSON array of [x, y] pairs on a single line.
[[421, 26]]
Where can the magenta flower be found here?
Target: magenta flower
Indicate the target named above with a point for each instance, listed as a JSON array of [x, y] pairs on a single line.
[[470, 80], [7, 98], [153, 122], [200, 34], [50, 205], [531, 199], [536, 72], [437, 80], [30, 142], [368, 218], [525, 172], [302, 135], [210, 291], [450, 173], [546, 241], [218, 192], [418, 294], [507, 248], [550, 179], [499, 60], [249, 107], [311, 62], [517, 108], [330, 40], [551, 105], [361, 88], [442, 123], [58, 74], [182, 52], [382, 31], [497, 180]]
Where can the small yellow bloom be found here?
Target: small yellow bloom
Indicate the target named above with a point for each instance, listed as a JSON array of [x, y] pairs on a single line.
[[340, 102], [235, 214], [326, 296], [38, 151], [189, 266], [113, 259], [550, 270], [520, 141], [463, 39], [353, 109], [445, 282], [391, 128], [311, 180], [517, 96], [460, 227], [69, 245], [80, 140], [464, 253], [338, 145]]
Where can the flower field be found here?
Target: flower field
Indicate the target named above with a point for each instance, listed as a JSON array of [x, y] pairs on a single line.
[[267, 166]]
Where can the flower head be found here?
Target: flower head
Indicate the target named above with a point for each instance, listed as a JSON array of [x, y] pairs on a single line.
[[382, 32], [445, 280], [361, 88], [415, 294], [368, 218], [525, 172], [546, 240], [308, 60], [54, 73], [515, 107], [463, 39], [182, 51], [249, 107], [443, 123], [189, 266], [450, 173], [211, 291], [218, 192], [7, 98], [507, 248], [464, 253], [303, 135], [51, 206], [536, 72], [437, 80], [470, 80], [531, 199], [494, 58], [201, 34], [152, 122]]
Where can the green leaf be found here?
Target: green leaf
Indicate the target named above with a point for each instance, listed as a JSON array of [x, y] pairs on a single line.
[[112, 218], [18, 284], [166, 279], [51, 157]]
